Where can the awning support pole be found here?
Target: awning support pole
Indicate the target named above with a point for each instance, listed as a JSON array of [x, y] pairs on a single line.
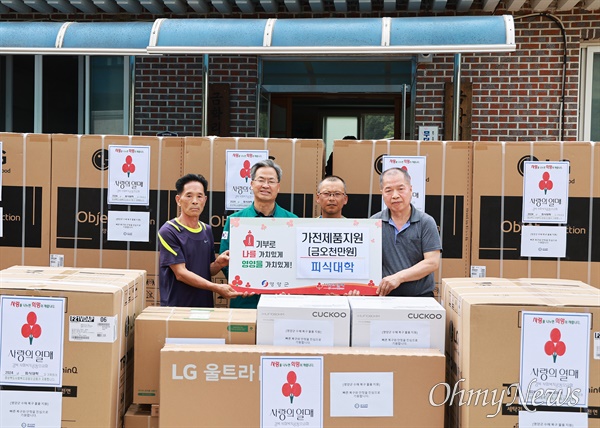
[[205, 95], [456, 99]]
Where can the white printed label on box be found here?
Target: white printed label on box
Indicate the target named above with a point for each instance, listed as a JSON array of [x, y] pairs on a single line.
[[291, 392], [478, 271], [92, 328], [133, 226], [31, 340], [597, 345], [400, 334], [361, 394], [543, 241], [416, 167], [541, 419], [545, 192], [238, 190], [57, 260], [37, 409], [128, 175], [290, 332], [555, 358], [199, 315], [1, 222]]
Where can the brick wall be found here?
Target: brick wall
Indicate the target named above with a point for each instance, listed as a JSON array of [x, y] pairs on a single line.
[[516, 96], [168, 93]]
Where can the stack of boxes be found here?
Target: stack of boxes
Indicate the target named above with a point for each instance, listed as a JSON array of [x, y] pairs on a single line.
[[54, 209], [25, 201], [483, 346], [80, 207], [101, 307], [343, 386], [158, 325], [497, 210]]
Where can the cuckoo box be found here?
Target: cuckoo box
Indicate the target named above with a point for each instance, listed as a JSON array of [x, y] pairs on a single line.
[[483, 317], [397, 322], [25, 200], [497, 210], [448, 181], [296, 320], [80, 210], [98, 371], [392, 387], [157, 324]]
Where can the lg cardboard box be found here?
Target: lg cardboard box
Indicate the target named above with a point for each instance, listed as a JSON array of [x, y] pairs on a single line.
[[484, 320], [80, 209], [397, 322], [156, 325], [136, 279], [139, 416], [308, 386], [497, 210], [447, 189], [300, 160], [293, 320], [25, 199], [98, 368]]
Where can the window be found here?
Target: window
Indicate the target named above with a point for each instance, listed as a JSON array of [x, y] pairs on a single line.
[[108, 103], [65, 94], [590, 94]]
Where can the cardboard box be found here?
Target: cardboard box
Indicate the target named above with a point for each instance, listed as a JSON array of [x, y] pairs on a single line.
[[483, 317], [157, 324], [296, 320], [80, 209], [139, 416], [497, 210], [135, 278], [202, 378], [397, 322], [25, 201], [97, 375], [448, 189], [300, 160]]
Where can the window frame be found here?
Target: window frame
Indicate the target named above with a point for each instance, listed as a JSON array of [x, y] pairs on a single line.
[[586, 90]]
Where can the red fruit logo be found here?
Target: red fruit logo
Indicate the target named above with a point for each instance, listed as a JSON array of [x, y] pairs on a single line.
[[555, 346], [545, 183], [31, 329], [237, 281], [128, 166], [291, 388], [245, 171]]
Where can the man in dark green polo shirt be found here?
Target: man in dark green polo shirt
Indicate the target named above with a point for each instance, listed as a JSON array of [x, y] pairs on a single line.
[[266, 182]]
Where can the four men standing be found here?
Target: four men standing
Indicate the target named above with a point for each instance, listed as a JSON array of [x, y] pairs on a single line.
[[411, 245]]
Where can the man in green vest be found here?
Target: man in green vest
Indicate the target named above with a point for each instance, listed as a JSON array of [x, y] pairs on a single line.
[[266, 182]]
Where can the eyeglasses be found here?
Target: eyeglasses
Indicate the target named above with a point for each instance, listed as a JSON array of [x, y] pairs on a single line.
[[263, 181], [328, 195]]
